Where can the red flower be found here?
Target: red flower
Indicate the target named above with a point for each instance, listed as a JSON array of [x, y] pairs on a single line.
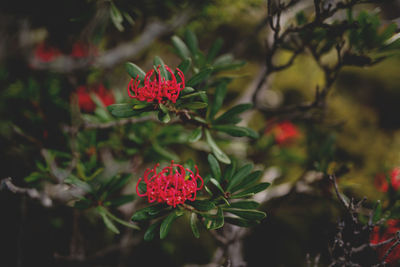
[[381, 183], [85, 101], [395, 178], [159, 89], [284, 132], [81, 50], [170, 186], [379, 235], [46, 53]]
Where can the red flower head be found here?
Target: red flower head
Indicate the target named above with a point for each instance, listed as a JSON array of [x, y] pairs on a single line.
[[85, 101], [379, 235], [82, 50], [170, 186], [284, 132], [395, 178], [381, 183], [159, 89], [46, 53]]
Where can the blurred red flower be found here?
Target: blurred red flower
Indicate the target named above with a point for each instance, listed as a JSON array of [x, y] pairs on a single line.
[[159, 89], [395, 178], [381, 183], [172, 185], [379, 235], [284, 132], [85, 101], [45, 52], [82, 50]]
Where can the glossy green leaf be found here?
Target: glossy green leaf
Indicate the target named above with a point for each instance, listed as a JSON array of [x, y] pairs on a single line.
[[240, 175], [196, 135], [199, 77], [152, 231], [215, 168], [247, 214], [218, 185], [245, 204], [241, 222], [148, 212], [195, 105], [122, 110], [187, 90], [230, 170], [234, 130], [167, 222], [191, 41], [220, 92], [231, 113], [252, 190], [180, 47], [120, 201], [218, 153], [249, 180], [213, 222], [193, 224], [190, 95], [134, 70], [159, 62], [185, 65], [202, 205], [214, 50]]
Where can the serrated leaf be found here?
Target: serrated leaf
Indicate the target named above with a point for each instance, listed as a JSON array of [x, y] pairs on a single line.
[[240, 175], [253, 190], [245, 204], [202, 205], [231, 113], [134, 70], [159, 62], [199, 77], [180, 47], [218, 153], [191, 41], [220, 92], [241, 222], [167, 222], [247, 214], [151, 231], [195, 135], [193, 224], [215, 168], [249, 180], [148, 212], [214, 50], [122, 110]]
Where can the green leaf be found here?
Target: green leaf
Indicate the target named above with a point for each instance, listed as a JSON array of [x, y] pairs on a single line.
[[110, 225], [240, 175], [199, 77], [231, 113], [159, 62], [83, 203], [218, 153], [223, 59], [193, 224], [230, 170], [116, 17], [236, 131], [195, 135], [202, 205], [191, 41], [134, 70], [241, 222], [120, 200], [122, 110], [214, 221], [218, 185], [215, 168], [163, 117], [195, 105], [214, 50], [163, 108], [247, 214], [148, 213], [187, 90], [252, 190], [249, 180], [245, 204], [185, 65], [151, 231], [377, 212], [200, 93], [165, 152], [118, 183], [180, 47], [167, 222], [220, 92]]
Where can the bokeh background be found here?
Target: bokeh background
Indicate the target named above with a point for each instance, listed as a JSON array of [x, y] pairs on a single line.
[[48, 49]]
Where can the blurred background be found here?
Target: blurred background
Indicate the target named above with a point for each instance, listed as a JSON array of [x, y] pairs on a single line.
[[55, 54]]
